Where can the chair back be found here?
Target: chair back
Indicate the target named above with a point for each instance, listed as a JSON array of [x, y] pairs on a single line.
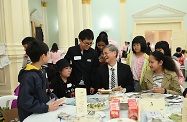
[[6, 101]]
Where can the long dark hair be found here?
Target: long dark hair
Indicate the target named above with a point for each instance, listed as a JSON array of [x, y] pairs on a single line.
[[168, 63], [54, 48], [101, 38], [165, 46]]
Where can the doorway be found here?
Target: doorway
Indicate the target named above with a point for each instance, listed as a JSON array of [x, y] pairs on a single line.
[[153, 36]]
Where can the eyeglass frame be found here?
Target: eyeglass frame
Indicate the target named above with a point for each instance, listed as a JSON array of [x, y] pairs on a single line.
[[89, 44]]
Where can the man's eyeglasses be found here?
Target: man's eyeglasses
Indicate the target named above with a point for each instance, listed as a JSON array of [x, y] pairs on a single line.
[[89, 44]]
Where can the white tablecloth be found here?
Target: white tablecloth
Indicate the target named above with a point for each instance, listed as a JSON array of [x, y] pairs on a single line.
[[52, 116], [70, 109]]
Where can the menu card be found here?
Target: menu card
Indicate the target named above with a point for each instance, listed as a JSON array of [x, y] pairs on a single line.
[[4, 61], [184, 110], [149, 104], [81, 101]]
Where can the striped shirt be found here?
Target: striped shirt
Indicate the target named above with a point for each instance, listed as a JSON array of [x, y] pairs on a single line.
[[157, 80]]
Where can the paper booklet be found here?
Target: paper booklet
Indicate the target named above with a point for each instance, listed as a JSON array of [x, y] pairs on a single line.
[[58, 101]]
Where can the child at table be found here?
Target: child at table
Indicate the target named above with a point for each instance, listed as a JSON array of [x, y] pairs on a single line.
[[138, 61], [63, 85], [32, 97], [162, 78], [163, 46]]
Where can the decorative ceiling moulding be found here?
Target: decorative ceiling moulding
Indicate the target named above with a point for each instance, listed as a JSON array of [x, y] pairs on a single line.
[[36, 17], [122, 1], [85, 1], [166, 12]]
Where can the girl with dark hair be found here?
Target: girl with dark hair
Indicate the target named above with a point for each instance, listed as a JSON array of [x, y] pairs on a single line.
[[101, 41], [55, 53], [138, 61], [162, 78], [63, 85], [163, 47]]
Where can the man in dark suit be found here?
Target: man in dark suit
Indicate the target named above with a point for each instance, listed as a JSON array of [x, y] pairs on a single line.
[[114, 74]]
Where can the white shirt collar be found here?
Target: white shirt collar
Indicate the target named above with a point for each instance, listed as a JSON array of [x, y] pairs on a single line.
[[115, 66]]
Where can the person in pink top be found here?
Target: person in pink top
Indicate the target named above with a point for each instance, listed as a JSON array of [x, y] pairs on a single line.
[[55, 53], [138, 60], [113, 43]]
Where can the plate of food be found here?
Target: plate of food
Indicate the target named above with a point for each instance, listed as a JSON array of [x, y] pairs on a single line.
[[97, 103], [121, 120]]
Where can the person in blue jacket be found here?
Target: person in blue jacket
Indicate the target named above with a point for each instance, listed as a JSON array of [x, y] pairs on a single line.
[[33, 96]]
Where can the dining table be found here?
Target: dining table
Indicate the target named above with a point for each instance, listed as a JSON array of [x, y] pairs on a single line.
[[52, 116]]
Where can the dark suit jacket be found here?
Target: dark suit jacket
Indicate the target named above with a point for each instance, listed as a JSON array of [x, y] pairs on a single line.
[[124, 74]]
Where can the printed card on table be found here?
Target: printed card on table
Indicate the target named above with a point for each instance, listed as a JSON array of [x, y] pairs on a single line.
[[152, 104], [81, 101]]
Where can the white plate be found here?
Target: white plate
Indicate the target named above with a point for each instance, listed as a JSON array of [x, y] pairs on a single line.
[[121, 120]]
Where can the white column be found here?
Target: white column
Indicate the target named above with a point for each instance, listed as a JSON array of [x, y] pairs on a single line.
[[122, 22], [15, 16], [45, 25], [78, 19], [86, 14], [71, 38], [66, 24]]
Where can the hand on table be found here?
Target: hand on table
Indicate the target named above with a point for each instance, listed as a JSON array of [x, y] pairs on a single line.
[[92, 90], [119, 88], [53, 106], [158, 90], [99, 90]]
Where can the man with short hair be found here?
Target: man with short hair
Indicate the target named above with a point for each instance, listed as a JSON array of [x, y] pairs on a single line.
[[114, 74], [84, 61]]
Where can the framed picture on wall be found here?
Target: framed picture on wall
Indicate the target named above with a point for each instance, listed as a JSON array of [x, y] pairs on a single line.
[[37, 31]]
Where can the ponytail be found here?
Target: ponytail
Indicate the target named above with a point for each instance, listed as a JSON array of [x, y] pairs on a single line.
[[169, 64]]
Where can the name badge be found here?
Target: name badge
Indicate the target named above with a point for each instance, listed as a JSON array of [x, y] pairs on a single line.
[[69, 85], [89, 60], [77, 57]]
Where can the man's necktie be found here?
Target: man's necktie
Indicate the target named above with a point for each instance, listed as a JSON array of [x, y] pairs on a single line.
[[112, 78]]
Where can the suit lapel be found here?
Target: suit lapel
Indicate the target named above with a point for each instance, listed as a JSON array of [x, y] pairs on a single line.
[[118, 74], [165, 80], [150, 77], [106, 75]]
